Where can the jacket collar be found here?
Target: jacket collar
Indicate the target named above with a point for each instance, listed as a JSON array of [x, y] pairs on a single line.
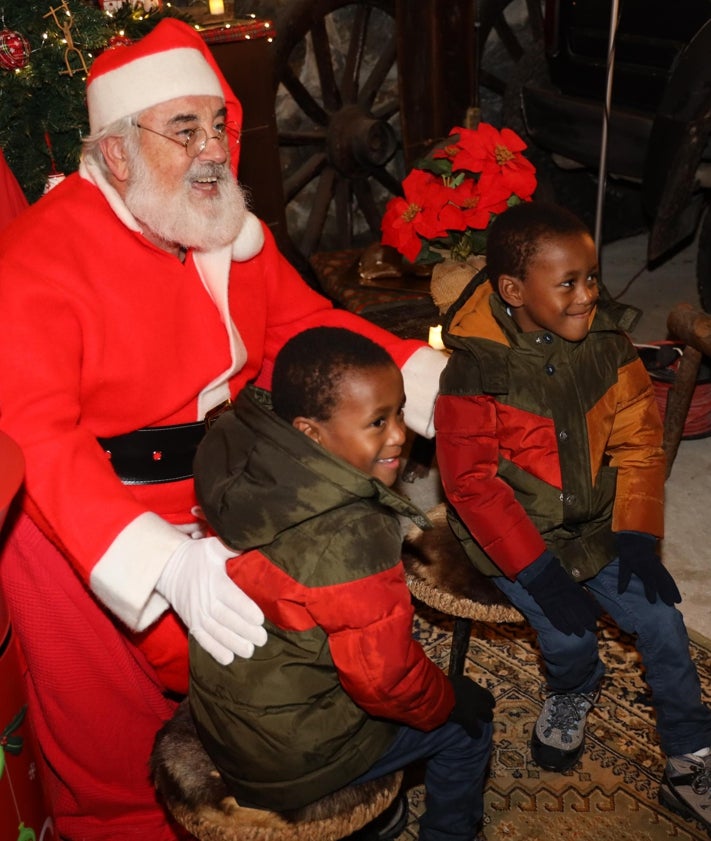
[[307, 458], [480, 313]]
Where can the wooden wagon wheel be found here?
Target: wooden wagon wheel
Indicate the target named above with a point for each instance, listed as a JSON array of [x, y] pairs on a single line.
[[337, 108]]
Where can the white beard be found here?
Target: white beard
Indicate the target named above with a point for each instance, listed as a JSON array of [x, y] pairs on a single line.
[[175, 217]]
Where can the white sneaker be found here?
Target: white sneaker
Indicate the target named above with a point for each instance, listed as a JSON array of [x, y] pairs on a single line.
[[686, 786]]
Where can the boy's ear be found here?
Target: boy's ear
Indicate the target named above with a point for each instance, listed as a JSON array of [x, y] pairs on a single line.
[[510, 289], [309, 427]]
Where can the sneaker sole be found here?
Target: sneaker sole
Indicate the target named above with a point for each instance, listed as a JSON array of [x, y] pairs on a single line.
[[552, 759], [670, 800]]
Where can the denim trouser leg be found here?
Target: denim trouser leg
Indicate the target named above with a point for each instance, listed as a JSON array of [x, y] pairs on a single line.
[[454, 777], [683, 721], [573, 664]]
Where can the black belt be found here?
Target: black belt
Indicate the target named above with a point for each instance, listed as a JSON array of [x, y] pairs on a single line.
[[157, 454]]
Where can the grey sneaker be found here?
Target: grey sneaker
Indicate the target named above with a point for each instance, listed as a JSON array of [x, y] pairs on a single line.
[[686, 787], [559, 735]]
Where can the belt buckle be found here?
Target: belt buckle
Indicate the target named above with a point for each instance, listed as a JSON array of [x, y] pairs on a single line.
[[213, 414]]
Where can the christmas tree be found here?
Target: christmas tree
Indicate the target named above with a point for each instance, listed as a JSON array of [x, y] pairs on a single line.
[[46, 50]]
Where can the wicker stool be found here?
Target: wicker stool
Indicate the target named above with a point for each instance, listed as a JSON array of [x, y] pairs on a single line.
[[195, 795], [440, 575]]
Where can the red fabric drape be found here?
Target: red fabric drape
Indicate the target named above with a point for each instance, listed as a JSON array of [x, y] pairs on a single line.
[[12, 199]]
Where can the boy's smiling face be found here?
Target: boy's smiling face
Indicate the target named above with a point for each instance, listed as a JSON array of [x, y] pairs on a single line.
[[366, 427], [560, 289]]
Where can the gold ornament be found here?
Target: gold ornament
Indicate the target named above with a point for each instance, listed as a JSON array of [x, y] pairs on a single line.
[[65, 28]]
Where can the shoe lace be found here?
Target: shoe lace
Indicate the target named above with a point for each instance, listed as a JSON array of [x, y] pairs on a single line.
[[566, 712], [701, 777]]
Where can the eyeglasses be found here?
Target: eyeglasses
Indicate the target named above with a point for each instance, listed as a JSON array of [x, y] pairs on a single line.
[[197, 138]]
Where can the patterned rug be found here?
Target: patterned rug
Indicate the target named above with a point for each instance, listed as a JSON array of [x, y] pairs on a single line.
[[611, 794]]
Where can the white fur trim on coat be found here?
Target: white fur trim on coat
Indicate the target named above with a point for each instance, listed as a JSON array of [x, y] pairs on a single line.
[[249, 241], [125, 577], [420, 374]]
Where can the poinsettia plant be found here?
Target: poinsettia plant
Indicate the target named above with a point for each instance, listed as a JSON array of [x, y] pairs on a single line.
[[451, 197]]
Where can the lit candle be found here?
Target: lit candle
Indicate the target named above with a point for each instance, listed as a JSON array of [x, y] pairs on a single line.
[[435, 337], [217, 7]]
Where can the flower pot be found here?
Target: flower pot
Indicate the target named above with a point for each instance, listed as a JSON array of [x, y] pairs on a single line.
[[661, 359]]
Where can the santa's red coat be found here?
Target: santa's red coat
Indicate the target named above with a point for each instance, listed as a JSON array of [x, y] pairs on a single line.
[[102, 333]]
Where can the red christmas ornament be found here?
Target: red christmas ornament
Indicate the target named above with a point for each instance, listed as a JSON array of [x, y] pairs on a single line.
[[118, 41], [14, 50]]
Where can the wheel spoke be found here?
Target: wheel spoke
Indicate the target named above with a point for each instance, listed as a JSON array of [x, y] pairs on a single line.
[[295, 182], [377, 76], [535, 19], [386, 109], [368, 206], [302, 97], [391, 184], [492, 82], [508, 38], [319, 211], [324, 63], [351, 70], [302, 138], [344, 212]]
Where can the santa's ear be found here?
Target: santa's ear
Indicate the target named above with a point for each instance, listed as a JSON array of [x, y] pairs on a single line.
[[309, 427], [511, 290], [114, 152]]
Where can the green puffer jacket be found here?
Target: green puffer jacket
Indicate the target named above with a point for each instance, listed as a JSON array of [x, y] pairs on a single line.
[[543, 442], [315, 707]]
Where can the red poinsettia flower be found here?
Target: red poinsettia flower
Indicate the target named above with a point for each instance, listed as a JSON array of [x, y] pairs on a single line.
[[497, 156], [471, 207], [459, 190], [408, 219]]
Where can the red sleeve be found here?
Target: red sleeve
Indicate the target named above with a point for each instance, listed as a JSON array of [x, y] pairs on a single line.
[[468, 458], [369, 627], [383, 669], [295, 307]]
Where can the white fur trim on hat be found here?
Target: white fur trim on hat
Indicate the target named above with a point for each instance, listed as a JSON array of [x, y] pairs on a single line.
[[147, 81]]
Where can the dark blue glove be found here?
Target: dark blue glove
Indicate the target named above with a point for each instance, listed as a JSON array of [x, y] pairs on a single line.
[[566, 604], [472, 704], [637, 552]]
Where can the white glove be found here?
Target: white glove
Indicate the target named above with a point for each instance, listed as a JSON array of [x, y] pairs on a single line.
[[216, 612], [197, 529]]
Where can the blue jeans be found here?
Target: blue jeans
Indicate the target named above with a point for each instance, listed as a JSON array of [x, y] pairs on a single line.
[[573, 663], [456, 765]]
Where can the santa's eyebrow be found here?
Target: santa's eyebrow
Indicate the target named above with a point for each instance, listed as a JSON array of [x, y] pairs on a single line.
[[193, 118]]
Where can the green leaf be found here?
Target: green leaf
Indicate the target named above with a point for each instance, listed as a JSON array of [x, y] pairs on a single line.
[[437, 166]]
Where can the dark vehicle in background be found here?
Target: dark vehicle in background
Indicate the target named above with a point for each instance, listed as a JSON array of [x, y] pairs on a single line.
[[659, 125]]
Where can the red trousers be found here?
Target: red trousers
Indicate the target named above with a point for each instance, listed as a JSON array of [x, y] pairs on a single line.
[[94, 701]]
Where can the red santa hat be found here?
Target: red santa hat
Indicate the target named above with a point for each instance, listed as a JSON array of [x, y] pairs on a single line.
[[170, 62]]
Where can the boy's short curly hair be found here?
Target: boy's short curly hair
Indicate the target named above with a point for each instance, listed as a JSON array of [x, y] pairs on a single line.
[[309, 370], [517, 234]]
